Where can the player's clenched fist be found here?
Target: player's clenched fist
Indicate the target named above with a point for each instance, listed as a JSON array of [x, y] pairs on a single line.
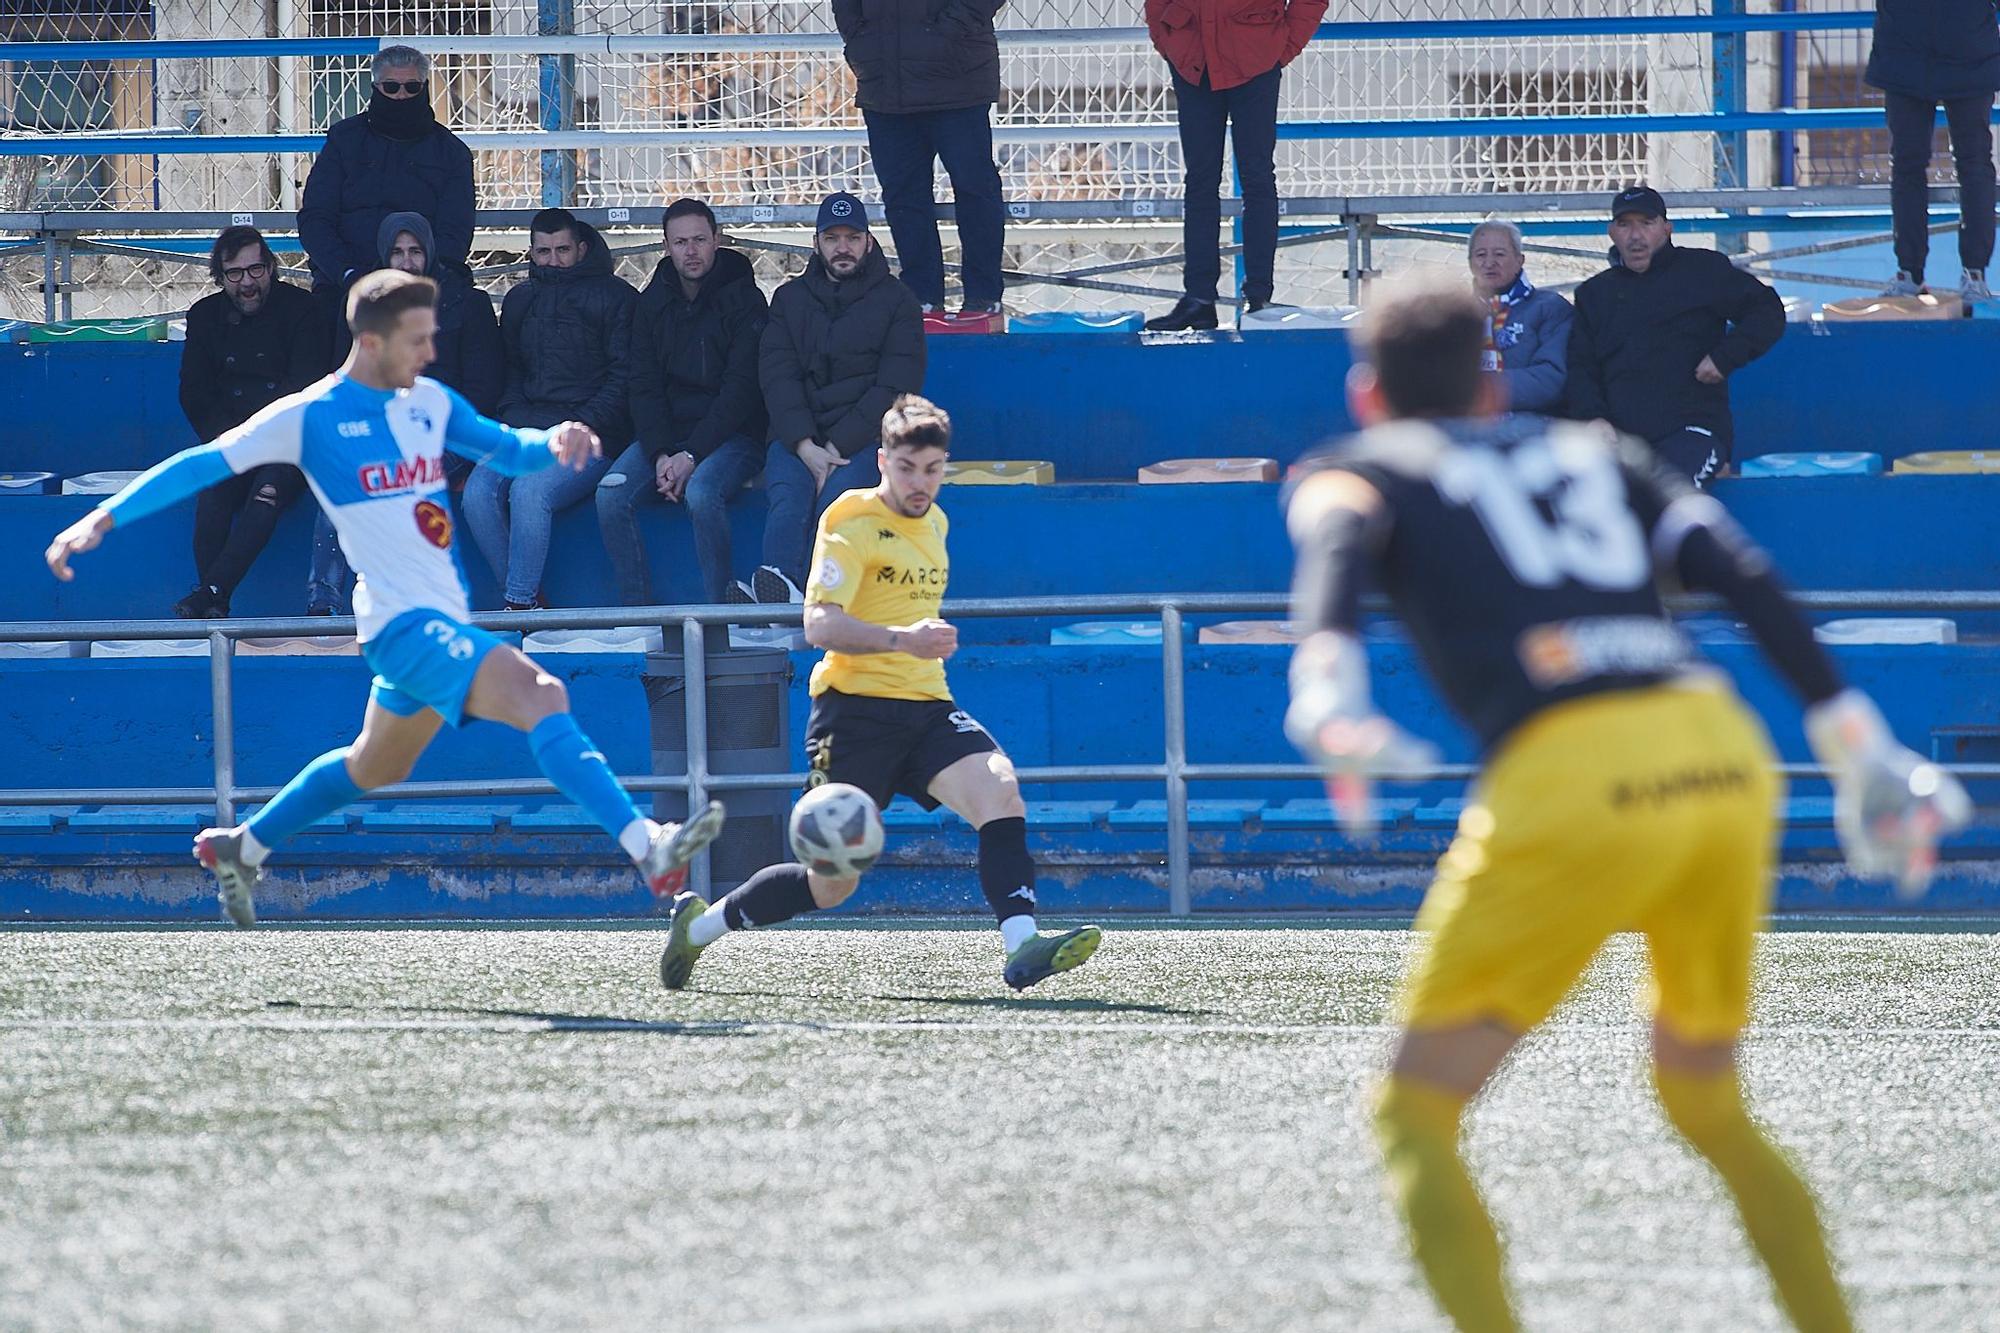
[[575, 445], [80, 536], [933, 640]]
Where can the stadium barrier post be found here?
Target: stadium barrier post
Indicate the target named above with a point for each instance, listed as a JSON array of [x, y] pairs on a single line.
[[557, 97], [694, 693], [49, 277], [222, 710], [1173, 669]]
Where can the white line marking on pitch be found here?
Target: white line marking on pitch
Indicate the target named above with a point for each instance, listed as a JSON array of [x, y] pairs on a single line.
[[993, 1299], [1026, 1025]]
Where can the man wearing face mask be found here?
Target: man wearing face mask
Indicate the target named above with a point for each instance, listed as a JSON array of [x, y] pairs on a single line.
[[844, 342], [248, 345], [393, 157], [470, 359]]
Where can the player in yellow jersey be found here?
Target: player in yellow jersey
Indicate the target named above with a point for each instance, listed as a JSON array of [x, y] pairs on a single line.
[[1623, 786], [883, 718]]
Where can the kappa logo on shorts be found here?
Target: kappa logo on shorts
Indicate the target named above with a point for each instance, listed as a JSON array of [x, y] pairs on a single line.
[[963, 722], [456, 646], [434, 523]]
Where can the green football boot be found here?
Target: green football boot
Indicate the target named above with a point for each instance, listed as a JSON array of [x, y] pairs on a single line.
[[1045, 954], [678, 959]]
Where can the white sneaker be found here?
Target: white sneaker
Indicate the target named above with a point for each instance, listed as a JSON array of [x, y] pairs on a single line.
[[1903, 285], [674, 846], [1972, 285]]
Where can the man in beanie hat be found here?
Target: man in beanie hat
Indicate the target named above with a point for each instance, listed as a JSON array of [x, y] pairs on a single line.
[[844, 342], [1658, 334]]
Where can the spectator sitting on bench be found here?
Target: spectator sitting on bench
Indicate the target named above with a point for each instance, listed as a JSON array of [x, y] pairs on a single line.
[[568, 333], [1527, 327], [248, 345]]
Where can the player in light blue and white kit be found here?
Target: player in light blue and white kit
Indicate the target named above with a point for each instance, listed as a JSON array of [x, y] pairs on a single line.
[[371, 439]]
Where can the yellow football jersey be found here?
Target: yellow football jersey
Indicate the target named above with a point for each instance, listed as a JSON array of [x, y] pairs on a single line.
[[880, 567]]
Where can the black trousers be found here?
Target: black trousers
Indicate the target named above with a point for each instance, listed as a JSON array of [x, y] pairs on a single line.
[[1911, 126], [234, 519], [1249, 113], [905, 149]]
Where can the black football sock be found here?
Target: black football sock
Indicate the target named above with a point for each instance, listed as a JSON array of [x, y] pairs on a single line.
[[775, 893], [1007, 873]]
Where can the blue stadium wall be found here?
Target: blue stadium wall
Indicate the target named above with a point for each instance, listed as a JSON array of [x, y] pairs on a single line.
[[1099, 408]]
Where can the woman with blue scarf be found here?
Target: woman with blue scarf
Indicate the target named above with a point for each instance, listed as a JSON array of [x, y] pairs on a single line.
[[1527, 341]]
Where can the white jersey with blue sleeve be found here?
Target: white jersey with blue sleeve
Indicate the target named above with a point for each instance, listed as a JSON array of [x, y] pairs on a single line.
[[375, 460]]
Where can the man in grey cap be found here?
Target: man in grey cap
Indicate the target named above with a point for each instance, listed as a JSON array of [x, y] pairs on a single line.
[[1658, 334], [845, 341]]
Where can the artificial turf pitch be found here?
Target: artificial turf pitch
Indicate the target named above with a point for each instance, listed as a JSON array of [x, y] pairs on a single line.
[[857, 1127]]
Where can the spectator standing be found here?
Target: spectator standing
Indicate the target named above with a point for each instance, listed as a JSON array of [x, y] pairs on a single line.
[[1929, 53], [1658, 334], [844, 342], [1225, 57], [1527, 339], [248, 345], [567, 331], [469, 359], [695, 403], [394, 157], [927, 73]]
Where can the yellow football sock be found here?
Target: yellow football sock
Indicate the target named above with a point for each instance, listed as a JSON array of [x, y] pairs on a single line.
[[1450, 1233], [1776, 1207]]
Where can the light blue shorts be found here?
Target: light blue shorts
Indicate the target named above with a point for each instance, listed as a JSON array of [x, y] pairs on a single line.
[[425, 659]]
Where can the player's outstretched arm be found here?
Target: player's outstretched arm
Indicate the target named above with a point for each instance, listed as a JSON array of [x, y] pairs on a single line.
[[1890, 805], [511, 450], [1337, 522], [164, 484], [830, 628]]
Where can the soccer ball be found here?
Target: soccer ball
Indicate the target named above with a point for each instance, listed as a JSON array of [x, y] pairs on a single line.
[[836, 831]]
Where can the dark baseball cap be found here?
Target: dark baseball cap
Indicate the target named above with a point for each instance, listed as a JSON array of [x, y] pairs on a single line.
[[841, 210], [1641, 199]]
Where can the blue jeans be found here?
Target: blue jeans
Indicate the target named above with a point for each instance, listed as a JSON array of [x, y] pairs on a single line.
[[796, 507], [630, 483], [1249, 113], [329, 580], [511, 519], [905, 149]]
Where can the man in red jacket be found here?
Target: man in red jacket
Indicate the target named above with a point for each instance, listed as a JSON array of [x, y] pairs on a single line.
[[1226, 55]]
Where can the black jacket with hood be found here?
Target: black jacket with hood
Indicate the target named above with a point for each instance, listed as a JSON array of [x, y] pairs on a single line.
[[1935, 49], [1638, 337], [470, 358], [393, 157], [921, 55], [568, 333], [836, 354], [233, 365], [694, 363]]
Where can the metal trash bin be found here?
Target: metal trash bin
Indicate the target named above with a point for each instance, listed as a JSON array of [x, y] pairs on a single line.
[[749, 731]]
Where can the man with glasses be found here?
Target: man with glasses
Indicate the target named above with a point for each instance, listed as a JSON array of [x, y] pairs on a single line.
[[248, 345], [394, 157]]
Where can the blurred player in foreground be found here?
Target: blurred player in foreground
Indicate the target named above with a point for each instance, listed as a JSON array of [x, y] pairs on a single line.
[[371, 439], [1624, 787], [883, 718]]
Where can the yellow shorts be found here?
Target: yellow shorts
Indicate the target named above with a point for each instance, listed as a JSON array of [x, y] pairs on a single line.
[[1651, 810]]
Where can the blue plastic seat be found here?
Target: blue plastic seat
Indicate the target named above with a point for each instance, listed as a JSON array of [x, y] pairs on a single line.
[[29, 483], [1068, 816], [143, 818], [1315, 814], [1078, 321], [905, 815], [424, 817], [1442, 814], [1107, 633], [30, 819], [552, 818], [1851, 464], [1203, 816]]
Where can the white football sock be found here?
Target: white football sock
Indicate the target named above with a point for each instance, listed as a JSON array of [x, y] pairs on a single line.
[[709, 927], [253, 852], [636, 838], [1017, 931]]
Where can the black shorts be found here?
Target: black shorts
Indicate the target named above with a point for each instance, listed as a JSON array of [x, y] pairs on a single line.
[[886, 746]]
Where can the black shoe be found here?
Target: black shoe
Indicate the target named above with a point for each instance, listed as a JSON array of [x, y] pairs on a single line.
[[773, 588], [738, 593], [204, 603], [1253, 305], [1187, 313], [321, 611]]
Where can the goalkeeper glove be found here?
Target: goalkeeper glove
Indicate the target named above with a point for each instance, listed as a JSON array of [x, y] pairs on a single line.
[[1890, 806], [1334, 724]]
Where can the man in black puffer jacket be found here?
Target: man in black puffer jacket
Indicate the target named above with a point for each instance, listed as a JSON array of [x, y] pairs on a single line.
[[248, 345], [568, 335], [1658, 334], [1927, 53], [393, 157], [844, 341], [927, 73], [695, 403]]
